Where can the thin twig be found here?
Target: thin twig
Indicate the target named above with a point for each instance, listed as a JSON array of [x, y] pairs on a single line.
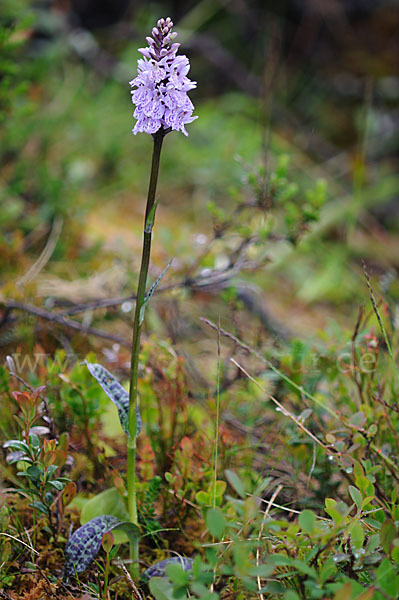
[[216, 280], [61, 320], [21, 380], [381, 324], [126, 573], [386, 404], [216, 277], [195, 506]]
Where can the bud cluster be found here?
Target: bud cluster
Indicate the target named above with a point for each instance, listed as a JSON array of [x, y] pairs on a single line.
[[160, 44]]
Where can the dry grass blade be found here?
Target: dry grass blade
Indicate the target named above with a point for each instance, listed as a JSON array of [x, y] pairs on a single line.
[[267, 510], [45, 255], [137, 595], [283, 409], [379, 319], [20, 542], [270, 365]]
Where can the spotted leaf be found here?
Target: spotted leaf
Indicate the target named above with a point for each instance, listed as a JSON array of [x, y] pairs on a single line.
[[116, 393], [151, 291], [84, 544], [159, 568]]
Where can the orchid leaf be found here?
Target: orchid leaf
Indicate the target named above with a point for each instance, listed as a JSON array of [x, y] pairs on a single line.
[[159, 569], [108, 502], [128, 528], [149, 224], [152, 289], [116, 393], [84, 544]]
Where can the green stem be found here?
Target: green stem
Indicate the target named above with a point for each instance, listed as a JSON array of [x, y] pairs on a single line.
[[133, 393], [216, 449]]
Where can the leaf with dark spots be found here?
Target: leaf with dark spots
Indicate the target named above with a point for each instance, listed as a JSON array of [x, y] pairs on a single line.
[[116, 393], [84, 544], [159, 568]]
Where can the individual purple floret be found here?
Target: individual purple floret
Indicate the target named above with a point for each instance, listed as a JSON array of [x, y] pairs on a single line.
[[162, 84]]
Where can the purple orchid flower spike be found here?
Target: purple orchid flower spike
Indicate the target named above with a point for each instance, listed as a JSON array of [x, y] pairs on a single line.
[[162, 84]]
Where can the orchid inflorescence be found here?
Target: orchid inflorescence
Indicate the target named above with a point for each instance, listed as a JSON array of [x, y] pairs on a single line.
[[162, 84]]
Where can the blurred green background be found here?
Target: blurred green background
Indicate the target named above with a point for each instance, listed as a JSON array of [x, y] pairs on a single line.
[[314, 80], [286, 183]]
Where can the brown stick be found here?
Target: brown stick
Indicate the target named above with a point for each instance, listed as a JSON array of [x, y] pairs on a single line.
[[57, 318]]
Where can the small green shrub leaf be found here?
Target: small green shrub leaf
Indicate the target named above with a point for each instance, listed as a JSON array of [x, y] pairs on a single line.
[[261, 571], [327, 570], [331, 509], [220, 488], [366, 501], [161, 588], [58, 485], [358, 419], [116, 393], [357, 535], [387, 579], [356, 496], [178, 575], [345, 592], [372, 430], [387, 535], [203, 498], [291, 595], [263, 484], [235, 482], [17, 445], [215, 522], [365, 485], [202, 592], [307, 520], [304, 568], [280, 560], [40, 507]]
